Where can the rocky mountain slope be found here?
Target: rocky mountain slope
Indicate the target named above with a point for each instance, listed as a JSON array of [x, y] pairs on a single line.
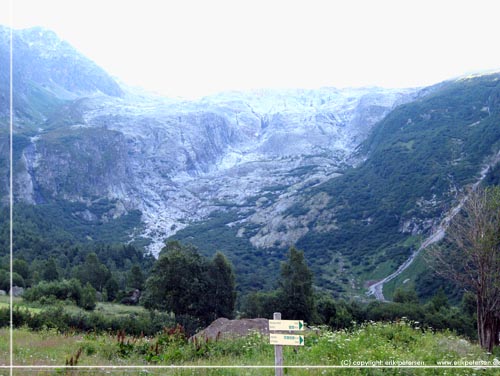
[[352, 176], [174, 161], [361, 223]]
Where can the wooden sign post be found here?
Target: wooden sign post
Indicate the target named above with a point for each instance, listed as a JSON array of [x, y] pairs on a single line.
[[278, 352], [279, 340]]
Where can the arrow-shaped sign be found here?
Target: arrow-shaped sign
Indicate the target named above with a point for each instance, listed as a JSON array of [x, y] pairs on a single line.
[[286, 339], [286, 325]]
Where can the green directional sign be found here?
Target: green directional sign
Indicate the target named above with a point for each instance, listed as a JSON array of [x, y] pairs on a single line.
[[286, 339], [286, 325]]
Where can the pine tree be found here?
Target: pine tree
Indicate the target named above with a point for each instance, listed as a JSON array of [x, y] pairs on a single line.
[[222, 290], [50, 272], [93, 272], [135, 278], [296, 288]]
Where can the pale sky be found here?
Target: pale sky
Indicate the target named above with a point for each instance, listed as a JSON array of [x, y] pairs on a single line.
[[191, 48]]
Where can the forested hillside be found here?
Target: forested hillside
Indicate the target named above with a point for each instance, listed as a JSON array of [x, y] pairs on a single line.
[[417, 162]]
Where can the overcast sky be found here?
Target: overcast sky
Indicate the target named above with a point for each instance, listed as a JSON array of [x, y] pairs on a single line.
[[191, 48]]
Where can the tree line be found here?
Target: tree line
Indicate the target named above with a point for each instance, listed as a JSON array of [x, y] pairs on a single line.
[[198, 290], [193, 290]]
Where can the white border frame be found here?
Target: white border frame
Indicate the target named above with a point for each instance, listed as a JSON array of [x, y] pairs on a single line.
[[13, 367]]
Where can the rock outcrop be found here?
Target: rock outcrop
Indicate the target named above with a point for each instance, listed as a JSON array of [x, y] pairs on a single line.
[[225, 328]]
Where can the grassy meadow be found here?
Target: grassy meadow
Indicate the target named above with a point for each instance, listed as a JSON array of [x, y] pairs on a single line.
[[369, 344]]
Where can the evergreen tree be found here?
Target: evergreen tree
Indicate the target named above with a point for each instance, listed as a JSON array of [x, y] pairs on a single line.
[[93, 272], [50, 272], [177, 282], [135, 278], [112, 289], [295, 287], [222, 287]]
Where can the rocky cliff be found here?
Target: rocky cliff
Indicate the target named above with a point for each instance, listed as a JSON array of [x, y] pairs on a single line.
[[177, 161], [81, 137]]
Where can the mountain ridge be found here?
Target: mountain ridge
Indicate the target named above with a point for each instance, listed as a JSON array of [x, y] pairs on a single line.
[[355, 177]]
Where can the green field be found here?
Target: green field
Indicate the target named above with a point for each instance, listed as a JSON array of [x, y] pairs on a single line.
[[18, 302], [373, 343], [113, 309]]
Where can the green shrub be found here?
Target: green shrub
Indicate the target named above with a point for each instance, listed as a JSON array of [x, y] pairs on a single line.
[[61, 290], [88, 299], [17, 280], [20, 316], [260, 304], [52, 317]]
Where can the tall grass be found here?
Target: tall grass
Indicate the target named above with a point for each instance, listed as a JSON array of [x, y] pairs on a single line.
[[369, 344]]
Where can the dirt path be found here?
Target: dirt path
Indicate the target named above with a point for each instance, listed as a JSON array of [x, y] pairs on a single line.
[[377, 288]]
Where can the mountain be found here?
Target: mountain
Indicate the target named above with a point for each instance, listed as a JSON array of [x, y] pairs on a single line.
[[360, 223], [358, 226], [355, 177], [47, 74], [46, 71]]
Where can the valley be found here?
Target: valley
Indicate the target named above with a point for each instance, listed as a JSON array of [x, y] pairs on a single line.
[[139, 220], [356, 177]]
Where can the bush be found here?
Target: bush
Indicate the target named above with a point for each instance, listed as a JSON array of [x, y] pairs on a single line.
[[260, 304], [147, 323], [19, 317], [405, 296], [326, 311], [88, 299], [17, 280], [61, 290]]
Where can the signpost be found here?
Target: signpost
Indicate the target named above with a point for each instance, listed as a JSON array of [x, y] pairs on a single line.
[[279, 340], [286, 325], [286, 339]]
